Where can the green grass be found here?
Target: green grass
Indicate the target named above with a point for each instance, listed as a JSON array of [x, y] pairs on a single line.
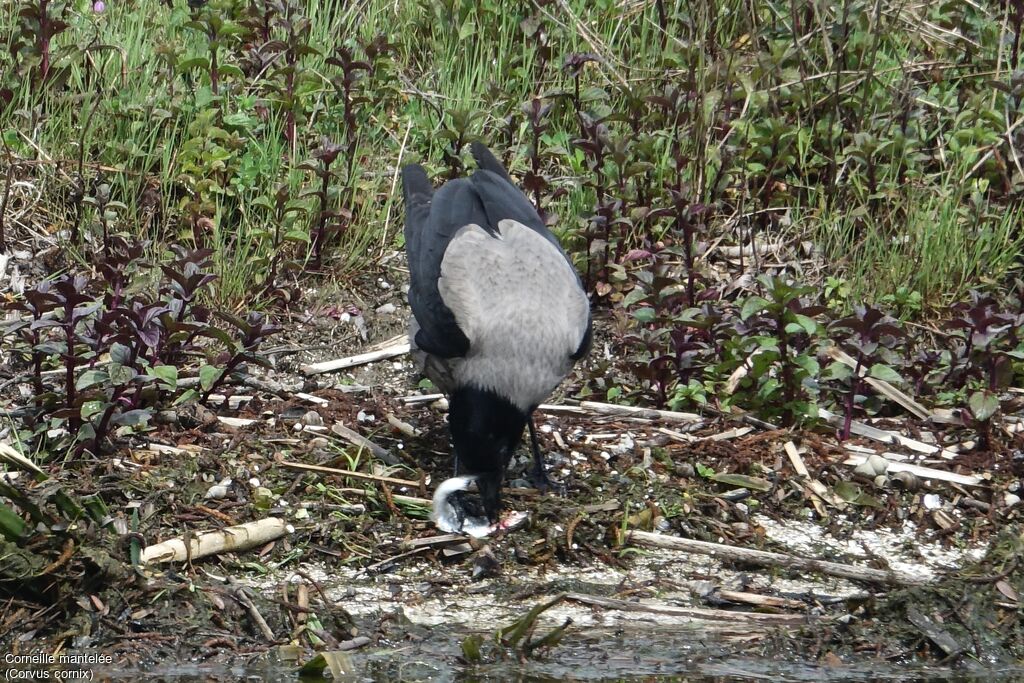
[[868, 121]]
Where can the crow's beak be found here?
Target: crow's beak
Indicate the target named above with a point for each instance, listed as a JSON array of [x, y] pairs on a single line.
[[489, 484]]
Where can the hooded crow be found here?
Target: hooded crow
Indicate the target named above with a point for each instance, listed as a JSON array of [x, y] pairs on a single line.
[[499, 315]]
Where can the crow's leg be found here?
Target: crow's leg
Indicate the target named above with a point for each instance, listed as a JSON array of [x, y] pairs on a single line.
[[540, 476]]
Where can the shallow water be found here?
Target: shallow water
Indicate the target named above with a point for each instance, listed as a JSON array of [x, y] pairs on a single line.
[[680, 654], [644, 656], [625, 658]]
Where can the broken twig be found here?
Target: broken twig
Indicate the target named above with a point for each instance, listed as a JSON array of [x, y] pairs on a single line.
[[688, 612], [764, 558], [349, 473], [358, 359], [228, 540]]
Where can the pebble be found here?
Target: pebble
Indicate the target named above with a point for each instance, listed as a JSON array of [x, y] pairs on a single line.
[[931, 501], [263, 496], [1010, 499], [216, 492], [312, 419], [386, 309], [362, 416], [872, 466], [625, 444]]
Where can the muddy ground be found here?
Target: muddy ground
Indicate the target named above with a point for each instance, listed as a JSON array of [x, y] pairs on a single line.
[[365, 577]]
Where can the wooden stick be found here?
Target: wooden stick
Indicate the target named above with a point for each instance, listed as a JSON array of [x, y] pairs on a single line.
[[922, 471], [759, 600], [401, 426], [261, 623], [764, 558], [813, 485], [228, 540], [934, 632], [357, 439], [689, 612], [733, 433], [398, 498], [434, 541], [678, 437], [879, 385], [349, 473], [589, 408], [387, 562], [592, 408], [421, 398], [310, 398], [739, 373], [236, 422], [861, 429], [353, 361]]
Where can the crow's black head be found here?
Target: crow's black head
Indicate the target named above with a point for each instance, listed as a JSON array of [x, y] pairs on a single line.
[[486, 429]]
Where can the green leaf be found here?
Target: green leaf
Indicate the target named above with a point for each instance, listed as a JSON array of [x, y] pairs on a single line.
[[644, 315], [91, 378], [90, 408], [119, 353], [838, 371], [187, 396], [133, 418], [769, 387], [885, 373], [854, 495], [208, 374], [635, 295], [168, 374], [264, 202], [510, 635], [121, 374], [809, 325], [471, 648], [193, 63], [752, 305], [12, 526], [704, 471], [314, 666], [69, 506], [238, 120], [296, 236], [793, 328], [742, 480], [808, 363], [230, 70], [983, 405]]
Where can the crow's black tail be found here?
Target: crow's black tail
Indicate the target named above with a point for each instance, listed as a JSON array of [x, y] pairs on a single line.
[[487, 161], [416, 187]]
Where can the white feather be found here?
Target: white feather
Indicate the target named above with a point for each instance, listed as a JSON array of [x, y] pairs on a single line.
[[442, 513]]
